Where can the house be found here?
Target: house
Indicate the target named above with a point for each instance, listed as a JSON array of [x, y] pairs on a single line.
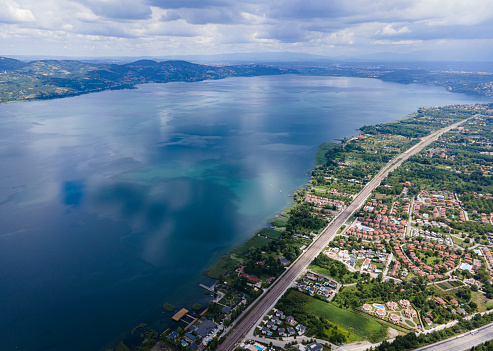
[[266, 331], [279, 314], [404, 303], [281, 331], [301, 329], [206, 327], [367, 308], [291, 331], [392, 305], [189, 338], [173, 335], [380, 313], [439, 300], [314, 347], [290, 320], [284, 261], [394, 318], [428, 321]]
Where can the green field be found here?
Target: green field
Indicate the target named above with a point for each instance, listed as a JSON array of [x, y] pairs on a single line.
[[449, 285], [359, 324], [279, 221], [235, 259], [327, 273], [456, 283], [270, 233], [223, 266], [256, 242]]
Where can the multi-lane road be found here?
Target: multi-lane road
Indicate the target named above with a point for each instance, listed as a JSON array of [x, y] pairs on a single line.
[[463, 342], [298, 266]]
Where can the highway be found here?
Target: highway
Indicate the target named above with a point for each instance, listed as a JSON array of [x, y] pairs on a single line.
[[463, 342], [290, 275]]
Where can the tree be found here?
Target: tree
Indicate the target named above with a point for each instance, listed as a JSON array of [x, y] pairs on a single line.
[[168, 307], [196, 306]]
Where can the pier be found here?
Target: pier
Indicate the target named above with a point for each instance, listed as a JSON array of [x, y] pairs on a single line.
[[211, 289]]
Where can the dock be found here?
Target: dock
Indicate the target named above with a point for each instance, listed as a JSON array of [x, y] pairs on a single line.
[[211, 289], [179, 315]]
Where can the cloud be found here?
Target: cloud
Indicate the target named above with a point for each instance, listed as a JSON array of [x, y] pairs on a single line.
[[11, 12], [162, 27], [390, 30], [120, 9]]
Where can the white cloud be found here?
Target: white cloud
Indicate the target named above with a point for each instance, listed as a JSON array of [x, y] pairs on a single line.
[[156, 27], [11, 12], [390, 30]]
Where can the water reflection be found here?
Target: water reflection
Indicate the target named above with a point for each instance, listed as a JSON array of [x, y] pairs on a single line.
[[114, 203]]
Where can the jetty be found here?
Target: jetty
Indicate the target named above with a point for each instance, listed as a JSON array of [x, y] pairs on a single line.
[[211, 289]]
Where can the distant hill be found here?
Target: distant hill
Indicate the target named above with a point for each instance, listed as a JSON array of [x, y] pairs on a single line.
[[49, 79], [8, 64]]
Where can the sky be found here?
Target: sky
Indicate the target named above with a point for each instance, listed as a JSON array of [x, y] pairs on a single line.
[[427, 29]]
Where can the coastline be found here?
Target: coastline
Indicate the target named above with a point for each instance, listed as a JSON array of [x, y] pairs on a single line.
[[307, 156], [394, 163]]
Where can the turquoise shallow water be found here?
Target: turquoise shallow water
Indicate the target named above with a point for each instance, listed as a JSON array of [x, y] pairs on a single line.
[[113, 203]]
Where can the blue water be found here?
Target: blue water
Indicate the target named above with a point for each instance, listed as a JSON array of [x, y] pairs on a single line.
[[112, 204], [367, 229], [377, 305]]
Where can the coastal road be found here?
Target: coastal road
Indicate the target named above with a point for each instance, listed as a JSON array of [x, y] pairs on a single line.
[[298, 266]]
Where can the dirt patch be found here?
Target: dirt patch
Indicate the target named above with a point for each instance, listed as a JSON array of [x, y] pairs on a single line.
[[392, 333]]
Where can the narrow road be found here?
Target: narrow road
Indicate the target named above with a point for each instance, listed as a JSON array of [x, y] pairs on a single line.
[[298, 266]]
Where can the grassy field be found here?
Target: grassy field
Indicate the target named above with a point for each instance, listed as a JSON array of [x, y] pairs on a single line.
[[270, 233], [482, 302], [279, 221], [444, 285], [361, 325], [253, 243], [224, 265], [326, 272], [456, 283], [460, 242], [235, 258]]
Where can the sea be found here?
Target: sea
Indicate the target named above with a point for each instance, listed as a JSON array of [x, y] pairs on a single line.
[[114, 203]]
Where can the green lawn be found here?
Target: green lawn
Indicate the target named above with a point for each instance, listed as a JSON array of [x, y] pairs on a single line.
[[270, 233], [223, 266], [456, 283], [444, 285], [253, 243], [359, 324], [235, 259], [460, 242], [326, 272], [279, 221]]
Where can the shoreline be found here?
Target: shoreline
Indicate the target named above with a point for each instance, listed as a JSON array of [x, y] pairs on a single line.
[[409, 150]]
